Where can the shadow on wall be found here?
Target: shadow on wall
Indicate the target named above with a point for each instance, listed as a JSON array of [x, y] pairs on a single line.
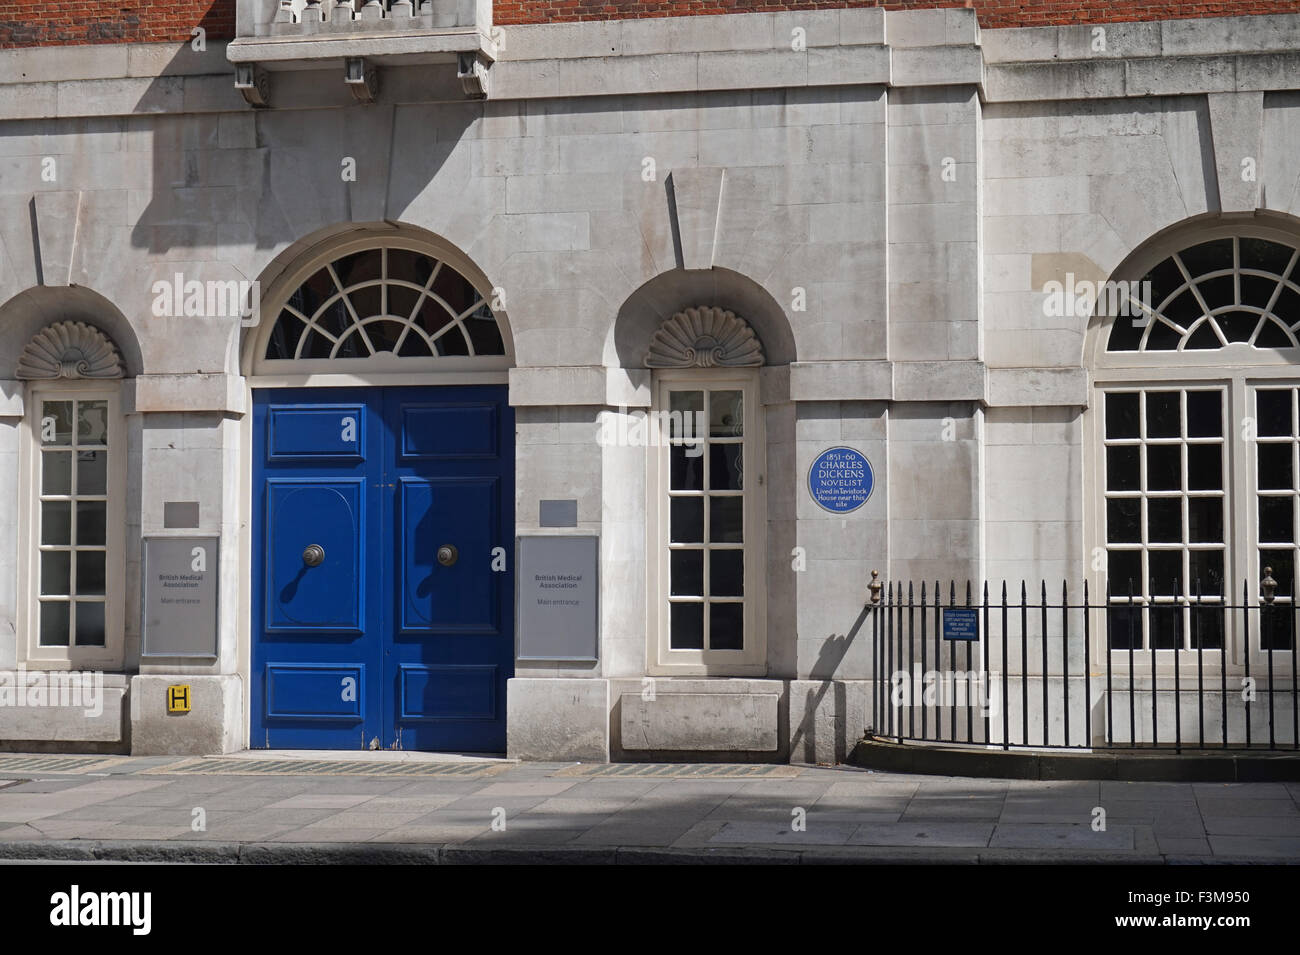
[[263, 178]]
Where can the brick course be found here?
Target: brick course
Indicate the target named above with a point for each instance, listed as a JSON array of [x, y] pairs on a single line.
[[28, 23]]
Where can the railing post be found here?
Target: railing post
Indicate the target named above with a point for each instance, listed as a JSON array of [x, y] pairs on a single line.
[[1006, 700], [924, 710], [1042, 583], [1065, 658], [1087, 668]]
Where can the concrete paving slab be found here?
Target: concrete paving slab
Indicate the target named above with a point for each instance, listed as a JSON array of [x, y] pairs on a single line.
[[1256, 847], [1253, 826], [773, 833], [1114, 838], [319, 801], [930, 834], [1183, 845]]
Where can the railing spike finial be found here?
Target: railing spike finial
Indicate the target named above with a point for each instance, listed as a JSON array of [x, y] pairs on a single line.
[[874, 587]]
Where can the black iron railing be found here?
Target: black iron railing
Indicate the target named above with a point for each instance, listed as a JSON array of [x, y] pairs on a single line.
[[1167, 672]]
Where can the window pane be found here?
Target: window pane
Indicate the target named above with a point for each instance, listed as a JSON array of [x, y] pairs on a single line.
[[1204, 414], [725, 467], [687, 573], [90, 522], [726, 573], [54, 624], [687, 472], [92, 472], [1122, 522], [1165, 521], [1274, 467], [92, 422], [90, 623], [56, 472], [1274, 412], [1124, 627], [56, 522], [1125, 568], [686, 626], [726, 414], [1166, 572], [1162, 414], [55, 572], [1122, 416], [1207, 628], [56, 422], [1207, 571], [686, 413], [1275, 628], [1205, 520], [1165, 467], [1205, 467], [1275, 520], [90, 572], [1122, 468], [1166, 627], [726, 626], [726, 519], [687, 515]]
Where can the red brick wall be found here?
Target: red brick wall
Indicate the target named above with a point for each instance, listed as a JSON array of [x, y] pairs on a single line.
[[992, 13], [41, 23]]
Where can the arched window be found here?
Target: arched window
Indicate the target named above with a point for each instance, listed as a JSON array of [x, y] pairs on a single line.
[[74, 490], [1196, 368], [383, 303], [707, 490]]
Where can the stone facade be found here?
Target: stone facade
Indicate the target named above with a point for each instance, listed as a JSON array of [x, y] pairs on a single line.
[[884, 204]]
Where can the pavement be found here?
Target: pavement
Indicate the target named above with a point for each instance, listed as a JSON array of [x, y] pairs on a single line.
[[287, 807]]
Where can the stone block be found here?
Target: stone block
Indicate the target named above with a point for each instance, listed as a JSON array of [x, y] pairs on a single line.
[[557, 719], [697, 721], [827, 718], [73, 706], [213, 725]]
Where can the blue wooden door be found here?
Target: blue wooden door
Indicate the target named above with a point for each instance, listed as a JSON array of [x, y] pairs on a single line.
[[382, 570]]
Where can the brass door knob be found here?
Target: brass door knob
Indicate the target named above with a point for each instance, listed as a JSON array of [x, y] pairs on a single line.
[[448, 555], [314, 555]]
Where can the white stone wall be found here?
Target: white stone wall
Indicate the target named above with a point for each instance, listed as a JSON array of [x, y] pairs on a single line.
[[884, 205]]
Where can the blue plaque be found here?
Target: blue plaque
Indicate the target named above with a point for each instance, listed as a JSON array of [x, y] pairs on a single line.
[[840, 480], [961, 623]]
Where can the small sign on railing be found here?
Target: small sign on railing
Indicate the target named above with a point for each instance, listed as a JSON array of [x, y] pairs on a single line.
[[961, 623]]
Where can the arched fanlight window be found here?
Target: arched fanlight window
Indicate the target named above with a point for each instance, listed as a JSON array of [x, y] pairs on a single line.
[[384, 302], [1235, 289], [1195, 435]]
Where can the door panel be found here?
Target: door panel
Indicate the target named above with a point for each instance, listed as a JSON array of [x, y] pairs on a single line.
[[315, 692], [330, 595], [378, 640], [455, 512], [448, 692]]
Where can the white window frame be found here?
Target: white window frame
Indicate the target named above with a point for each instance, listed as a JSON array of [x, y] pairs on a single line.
[[1238, 368], [109, 656], [752, 659]]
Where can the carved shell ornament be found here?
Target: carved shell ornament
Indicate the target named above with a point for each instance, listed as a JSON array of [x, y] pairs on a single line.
[[69, 350], [705, 338]]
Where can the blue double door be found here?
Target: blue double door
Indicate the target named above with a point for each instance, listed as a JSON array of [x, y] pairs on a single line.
[[382, 568]]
